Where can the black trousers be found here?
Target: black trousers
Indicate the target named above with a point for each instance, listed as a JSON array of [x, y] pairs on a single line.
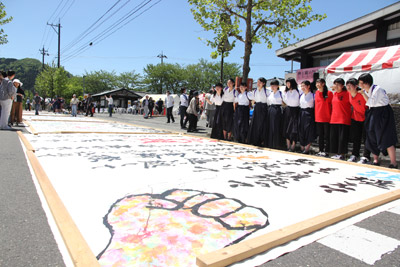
[[169, 115], [339, 138], [89, 110], [323, 136], [192, 122], [183, 114]]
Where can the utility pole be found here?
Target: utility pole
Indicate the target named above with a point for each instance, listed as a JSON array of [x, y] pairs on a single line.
[[57, 29], [44, 53], [162, 56]]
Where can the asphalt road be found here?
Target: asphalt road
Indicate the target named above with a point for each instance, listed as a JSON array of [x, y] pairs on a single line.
[[25, 235]]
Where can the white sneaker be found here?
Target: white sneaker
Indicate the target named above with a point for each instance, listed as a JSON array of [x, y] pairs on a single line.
[[352, 159], [322, 154], [363, 160], [339, 157]]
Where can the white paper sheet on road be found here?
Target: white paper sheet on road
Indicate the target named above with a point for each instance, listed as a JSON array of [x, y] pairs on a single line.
[[161, 199]]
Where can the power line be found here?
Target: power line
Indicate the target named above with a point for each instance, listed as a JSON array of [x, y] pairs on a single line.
[[103, 34], [132, 11], [84, 33]]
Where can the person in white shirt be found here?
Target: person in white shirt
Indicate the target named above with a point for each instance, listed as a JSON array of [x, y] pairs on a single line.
[[274, 137], [291, 98], [110, 101], [307, 129], [184, 103], [169, 103], [209, 109], [7, 94], [217, 99], [243, 100], [258, 126], [379, 122], [74, 105], [145, 105], [227, 109]]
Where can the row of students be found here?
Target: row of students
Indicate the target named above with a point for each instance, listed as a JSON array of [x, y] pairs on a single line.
[[337, 118]]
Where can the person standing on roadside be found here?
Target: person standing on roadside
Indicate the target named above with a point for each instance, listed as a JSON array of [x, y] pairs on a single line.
[[169, 103], [37, 99], [145, 105], [209, 108], [74, 105], [184, 103], [89, 105], [16, 110], [110, 101], [7, 95]]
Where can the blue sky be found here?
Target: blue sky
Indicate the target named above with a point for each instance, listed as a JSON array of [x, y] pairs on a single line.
[[168, 26]]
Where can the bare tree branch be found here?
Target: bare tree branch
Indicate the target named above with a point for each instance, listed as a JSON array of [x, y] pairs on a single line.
[[231, 12], [264, 22], [237, 36]]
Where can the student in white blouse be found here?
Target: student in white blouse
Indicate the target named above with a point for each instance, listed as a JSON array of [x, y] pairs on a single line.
[[227, 109], [258, 130], [217, 99], [274, 118], [242, 113], [380, 125], [307, 129], [291, 97]]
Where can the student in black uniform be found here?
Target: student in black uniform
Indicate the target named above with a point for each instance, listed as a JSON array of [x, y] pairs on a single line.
[[307, 130], [258, 130], [242, 113], [380, 125], [291, 98], [227, 109], [216, 98], [274, 134]]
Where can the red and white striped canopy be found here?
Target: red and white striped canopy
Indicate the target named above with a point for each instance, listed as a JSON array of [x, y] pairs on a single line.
[[366, 60]]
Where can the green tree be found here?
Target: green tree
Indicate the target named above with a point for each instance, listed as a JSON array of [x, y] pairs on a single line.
[[128, 80], [259, 20], [162, 77], [100, 81], [45, 84], [3, 20], [60, 81], [204, 74]]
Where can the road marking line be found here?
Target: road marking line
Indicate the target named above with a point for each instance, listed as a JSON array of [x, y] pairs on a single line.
[[360, 243]]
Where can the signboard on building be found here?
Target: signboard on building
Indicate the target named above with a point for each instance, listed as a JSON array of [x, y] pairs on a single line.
[[307, 74]]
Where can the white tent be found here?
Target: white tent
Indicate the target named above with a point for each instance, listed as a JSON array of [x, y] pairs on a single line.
[[382, 63]]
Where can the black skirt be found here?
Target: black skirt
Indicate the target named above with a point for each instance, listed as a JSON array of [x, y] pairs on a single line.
[[380, 129], [290, 123], [307, 129], [258, 130], [241, 123], [227, 116], [274, 134], [216, 131]]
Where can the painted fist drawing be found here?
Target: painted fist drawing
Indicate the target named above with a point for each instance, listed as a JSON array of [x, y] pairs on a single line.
[[171, 228]]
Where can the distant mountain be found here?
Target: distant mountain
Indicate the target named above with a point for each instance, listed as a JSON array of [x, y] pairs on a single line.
[[26, 70]]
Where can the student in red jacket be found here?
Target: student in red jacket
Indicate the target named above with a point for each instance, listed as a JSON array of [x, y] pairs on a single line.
[[323, 110], [380, 125], [357, 131], [340, 120]]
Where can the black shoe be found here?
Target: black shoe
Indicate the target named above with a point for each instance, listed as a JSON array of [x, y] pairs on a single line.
[[306, 152], [167, 121], [183, 128], [391, 166], [376, 163]]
